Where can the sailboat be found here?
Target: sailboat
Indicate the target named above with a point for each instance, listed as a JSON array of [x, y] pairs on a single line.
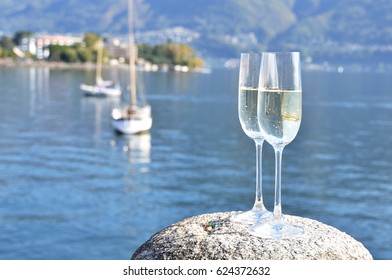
[[101, 88], [136, 117]]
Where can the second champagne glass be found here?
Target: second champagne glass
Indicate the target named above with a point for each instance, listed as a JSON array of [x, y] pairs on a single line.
[[279, 116], [247, 112]]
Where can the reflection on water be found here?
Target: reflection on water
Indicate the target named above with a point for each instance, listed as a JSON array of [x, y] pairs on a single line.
[[137, 147], [95, 110], [71, 188], [38, 86]]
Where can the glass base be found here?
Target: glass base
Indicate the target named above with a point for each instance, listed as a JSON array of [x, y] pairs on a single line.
[[277, 230], [252, 216]]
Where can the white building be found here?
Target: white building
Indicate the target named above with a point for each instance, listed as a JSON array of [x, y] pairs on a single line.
[[38, 45], [118, 48]]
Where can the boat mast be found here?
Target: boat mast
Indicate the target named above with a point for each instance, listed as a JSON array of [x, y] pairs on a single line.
[[132, 56]]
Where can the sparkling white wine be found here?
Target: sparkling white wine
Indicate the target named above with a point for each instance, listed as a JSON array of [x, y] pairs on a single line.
[[279, 115], [247, 111]]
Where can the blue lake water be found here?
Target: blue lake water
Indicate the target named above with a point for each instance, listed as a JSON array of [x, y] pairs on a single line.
[[71, 188]]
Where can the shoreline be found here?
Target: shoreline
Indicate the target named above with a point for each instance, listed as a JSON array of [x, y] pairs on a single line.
[[308, 67], [92, 66], [49, 64]]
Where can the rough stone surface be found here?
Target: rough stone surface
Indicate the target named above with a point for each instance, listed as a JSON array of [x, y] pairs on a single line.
[[192, 239]]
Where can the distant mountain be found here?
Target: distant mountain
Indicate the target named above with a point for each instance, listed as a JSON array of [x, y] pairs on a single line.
[[352, 30]]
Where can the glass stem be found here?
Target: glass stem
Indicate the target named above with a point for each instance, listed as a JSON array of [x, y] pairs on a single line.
[[259, 204], [278, 172]]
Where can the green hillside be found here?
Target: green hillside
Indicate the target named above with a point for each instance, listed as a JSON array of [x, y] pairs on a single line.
[[324, 29]]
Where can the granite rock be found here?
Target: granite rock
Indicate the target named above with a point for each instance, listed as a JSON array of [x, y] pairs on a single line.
[[195, 238]]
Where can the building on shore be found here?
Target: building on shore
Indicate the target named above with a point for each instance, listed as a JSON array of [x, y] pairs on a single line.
[[37, 45]]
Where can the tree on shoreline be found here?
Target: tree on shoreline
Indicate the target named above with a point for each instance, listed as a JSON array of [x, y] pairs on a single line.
[[170, 53], [6, 46]]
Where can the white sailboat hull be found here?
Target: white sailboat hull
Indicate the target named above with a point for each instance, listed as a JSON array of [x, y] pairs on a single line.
[[132, 126], [98, 90], [132, 120]]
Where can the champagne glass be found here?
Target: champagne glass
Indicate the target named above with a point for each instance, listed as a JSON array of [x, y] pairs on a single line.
[[279, 115], [247, 111]]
